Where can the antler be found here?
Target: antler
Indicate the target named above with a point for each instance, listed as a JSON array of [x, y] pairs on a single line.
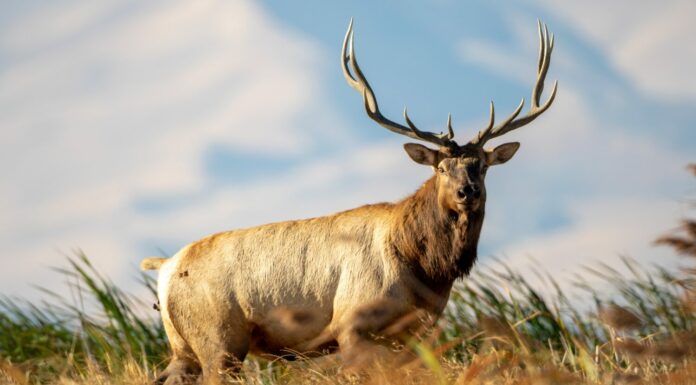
[[509, 124], [358, 81]]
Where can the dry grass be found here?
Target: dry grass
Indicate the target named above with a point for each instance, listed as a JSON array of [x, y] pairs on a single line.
[[486, 336]]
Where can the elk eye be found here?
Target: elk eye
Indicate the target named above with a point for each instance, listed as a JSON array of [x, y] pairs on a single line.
[[440, 169]]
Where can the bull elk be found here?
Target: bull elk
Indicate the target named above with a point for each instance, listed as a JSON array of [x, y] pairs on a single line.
[[219, 295]]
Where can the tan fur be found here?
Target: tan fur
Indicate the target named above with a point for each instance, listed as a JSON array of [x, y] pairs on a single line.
[[153, 263]]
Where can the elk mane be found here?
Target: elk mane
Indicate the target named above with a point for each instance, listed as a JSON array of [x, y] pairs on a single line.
[[438, 247]]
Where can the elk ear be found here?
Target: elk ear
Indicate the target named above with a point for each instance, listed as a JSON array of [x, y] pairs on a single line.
[[421, 154], [502, 153]]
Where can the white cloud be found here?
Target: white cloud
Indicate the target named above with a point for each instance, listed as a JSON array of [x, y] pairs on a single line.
[[54, 23], [488, 54], [602, 231], [348, 179], [93, 120], [649, 42]]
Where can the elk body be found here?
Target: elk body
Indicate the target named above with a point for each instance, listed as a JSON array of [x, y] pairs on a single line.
[[221, 297]]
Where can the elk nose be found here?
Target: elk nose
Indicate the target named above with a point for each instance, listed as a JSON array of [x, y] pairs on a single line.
[[469, 191]]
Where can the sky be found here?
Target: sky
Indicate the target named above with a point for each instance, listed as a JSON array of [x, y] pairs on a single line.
[[129, 129]]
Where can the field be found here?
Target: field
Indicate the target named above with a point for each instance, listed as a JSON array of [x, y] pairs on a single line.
[[496, 330]]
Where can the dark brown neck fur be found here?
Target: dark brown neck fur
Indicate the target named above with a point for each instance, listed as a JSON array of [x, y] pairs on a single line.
[[437, 246]]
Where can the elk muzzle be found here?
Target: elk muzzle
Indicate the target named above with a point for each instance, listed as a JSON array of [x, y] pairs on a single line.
[[469, 192]]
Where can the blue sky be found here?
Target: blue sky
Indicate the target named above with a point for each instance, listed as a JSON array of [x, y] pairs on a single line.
[[131, 129]]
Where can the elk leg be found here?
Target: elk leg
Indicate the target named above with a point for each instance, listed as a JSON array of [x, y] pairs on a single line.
[[183, 367], [213, 324], [222, 358]]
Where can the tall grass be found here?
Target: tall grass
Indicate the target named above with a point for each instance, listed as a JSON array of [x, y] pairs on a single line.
[[497, 329], [99, 325], [61, 338]]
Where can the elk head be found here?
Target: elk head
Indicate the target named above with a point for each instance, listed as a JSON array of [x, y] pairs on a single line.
[[459, 169]]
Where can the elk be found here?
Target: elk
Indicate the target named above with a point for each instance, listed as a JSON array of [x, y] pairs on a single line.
[[219, 295]]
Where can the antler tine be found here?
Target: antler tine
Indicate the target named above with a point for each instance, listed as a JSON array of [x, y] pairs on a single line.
[[511, 123], [506, 122], [545, 49], [345, 58], [357, 80], [420, 134], [542, 46], [450, 131], [486, 131]]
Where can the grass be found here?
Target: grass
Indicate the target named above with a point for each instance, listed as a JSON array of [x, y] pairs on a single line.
[[497, 329], [60, 337]]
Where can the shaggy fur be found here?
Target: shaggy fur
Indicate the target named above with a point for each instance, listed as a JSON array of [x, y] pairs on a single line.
[[437, 246]]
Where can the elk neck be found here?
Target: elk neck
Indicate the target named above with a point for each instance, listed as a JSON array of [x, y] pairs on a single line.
[[437, 246]]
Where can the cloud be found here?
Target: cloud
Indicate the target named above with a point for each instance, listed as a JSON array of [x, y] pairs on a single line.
[[648, 42], [504, 61], [343, 181], [54, 23], [120, 103], [602, 231]]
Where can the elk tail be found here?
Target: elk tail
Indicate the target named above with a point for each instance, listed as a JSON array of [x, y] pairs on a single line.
[[153, 263]]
